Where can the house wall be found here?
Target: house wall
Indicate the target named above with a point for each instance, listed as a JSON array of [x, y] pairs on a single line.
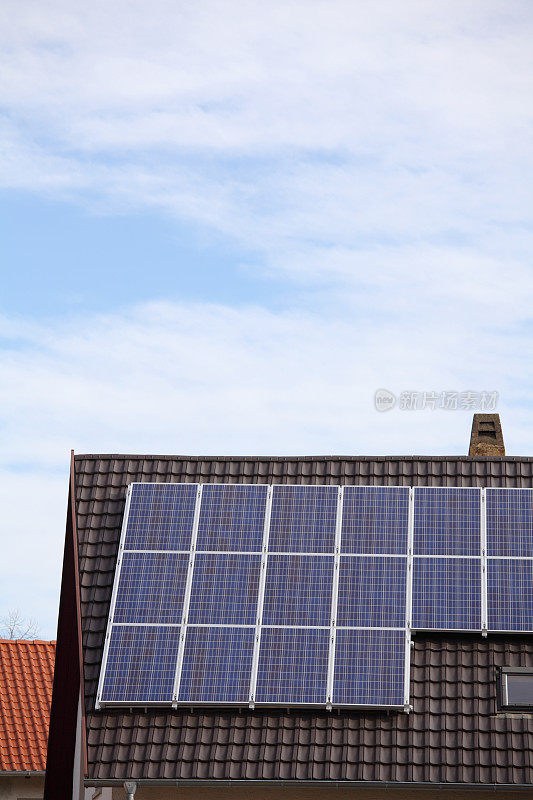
[[256, 792], [15, 787]]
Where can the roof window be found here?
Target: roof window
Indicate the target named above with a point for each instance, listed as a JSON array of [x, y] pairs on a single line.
[[517, 688]]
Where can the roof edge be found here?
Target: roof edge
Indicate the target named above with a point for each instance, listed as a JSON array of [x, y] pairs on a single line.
[[474, 787], [167, 457], [22, 773], [68, 673]]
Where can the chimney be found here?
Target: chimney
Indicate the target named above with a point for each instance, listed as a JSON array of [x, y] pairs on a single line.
[[487, 437]]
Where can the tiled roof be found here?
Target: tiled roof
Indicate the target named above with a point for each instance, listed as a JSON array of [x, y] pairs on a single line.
[[455, 733], [26, 676]]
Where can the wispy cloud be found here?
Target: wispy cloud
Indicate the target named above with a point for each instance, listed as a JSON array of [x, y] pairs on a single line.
[[377, 156], [282, 124]]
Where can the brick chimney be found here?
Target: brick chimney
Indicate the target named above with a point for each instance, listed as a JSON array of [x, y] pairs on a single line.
[[487, 437]]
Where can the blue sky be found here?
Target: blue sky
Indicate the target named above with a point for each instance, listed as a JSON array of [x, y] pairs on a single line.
[[223, 226]]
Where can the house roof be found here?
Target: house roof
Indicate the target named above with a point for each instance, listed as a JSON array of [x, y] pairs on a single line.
[[26, 676], [455, 734]]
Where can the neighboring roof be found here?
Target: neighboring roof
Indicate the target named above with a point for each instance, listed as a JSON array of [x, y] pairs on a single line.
[[455, 734], [26, 677]]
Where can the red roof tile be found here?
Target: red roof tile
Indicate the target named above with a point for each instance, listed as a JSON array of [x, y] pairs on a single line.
[[26, 676]]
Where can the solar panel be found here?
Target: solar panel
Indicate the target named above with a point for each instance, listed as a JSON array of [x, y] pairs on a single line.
[[293, 666], [217, 664], [509, 522], [375, 519], [510, 594], [446, 593], [298, 590], [232, 517], [151, 588], [447, 521], [369, 667], [225, 588], [303, 519], [160, 516], [141, 664], [200, 603], [372, 591]]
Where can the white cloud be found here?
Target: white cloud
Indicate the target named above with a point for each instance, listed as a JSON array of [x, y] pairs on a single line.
[[378, 155], [210, 379], [282, 122]]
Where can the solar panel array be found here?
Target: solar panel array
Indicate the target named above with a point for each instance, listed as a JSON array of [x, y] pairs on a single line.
[[254, 594], [305, 595]]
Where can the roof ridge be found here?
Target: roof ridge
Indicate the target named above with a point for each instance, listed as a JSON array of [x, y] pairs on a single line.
[[169, 457], [28, 641]]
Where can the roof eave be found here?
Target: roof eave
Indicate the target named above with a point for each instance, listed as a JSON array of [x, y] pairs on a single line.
[[219, 782]]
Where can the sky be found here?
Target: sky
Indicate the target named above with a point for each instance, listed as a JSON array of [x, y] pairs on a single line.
[[225, 225]]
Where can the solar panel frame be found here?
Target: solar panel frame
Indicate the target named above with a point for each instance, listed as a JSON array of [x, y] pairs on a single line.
[[298, 590], [518, 546], [157, 687], [325, 542], [409, 602], [151, 588], [281, 647], [367, 500], [397, 663], [422, 576], [334, 598], [132, 541], [202, 537], [225, 589], [484, 584], [217, 682], [111, 614], [261, 598], [515, 607], [443, 543], [372, 591]]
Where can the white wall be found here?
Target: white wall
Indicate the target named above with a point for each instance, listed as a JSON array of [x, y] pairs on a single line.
[[14, 787]]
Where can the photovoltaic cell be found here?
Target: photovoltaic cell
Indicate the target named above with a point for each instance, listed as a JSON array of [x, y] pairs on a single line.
[[447, 593], [217, 665], [369, 667], [232, 517], [510, 594], [225, 589], [447, 521], [509, 522], [303, 519], [298, 590], [141, 664], [161, 516], [293, 666], [372, 591], [375, 519], [151, 588]]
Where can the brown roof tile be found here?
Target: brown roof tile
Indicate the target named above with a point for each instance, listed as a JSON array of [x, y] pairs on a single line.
[[453, 735]]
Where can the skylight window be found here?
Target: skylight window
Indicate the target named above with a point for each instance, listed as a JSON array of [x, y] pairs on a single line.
[[517, 688]]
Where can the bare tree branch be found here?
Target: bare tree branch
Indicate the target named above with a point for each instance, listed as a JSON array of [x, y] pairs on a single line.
[[15, 626]]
